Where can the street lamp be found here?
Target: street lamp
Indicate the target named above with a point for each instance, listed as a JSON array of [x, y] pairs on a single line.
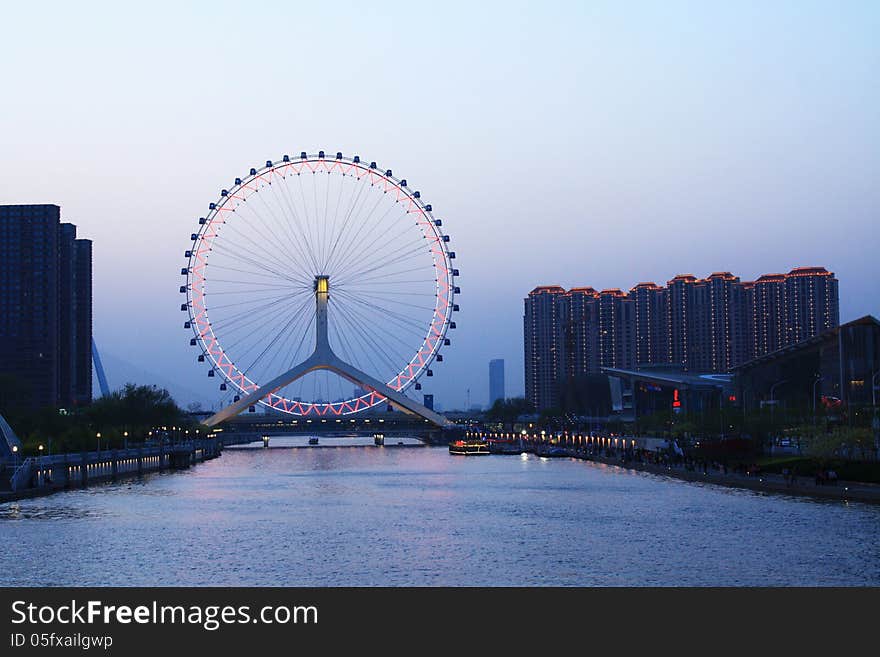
[[773, 401], [815, 383], [98, 435]]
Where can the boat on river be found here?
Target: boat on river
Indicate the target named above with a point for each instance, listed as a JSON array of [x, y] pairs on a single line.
[[505, 446], [469, 447]]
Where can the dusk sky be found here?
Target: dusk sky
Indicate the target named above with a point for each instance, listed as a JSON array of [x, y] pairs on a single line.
[[580, 143]]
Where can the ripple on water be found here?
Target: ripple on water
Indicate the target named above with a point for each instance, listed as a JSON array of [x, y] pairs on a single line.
[[421, 517], [19, 511]]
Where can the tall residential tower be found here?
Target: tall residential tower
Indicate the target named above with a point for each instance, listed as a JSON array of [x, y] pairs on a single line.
[[45, 309]]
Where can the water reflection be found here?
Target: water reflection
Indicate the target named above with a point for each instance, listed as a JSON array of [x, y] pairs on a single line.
[[418, 516]]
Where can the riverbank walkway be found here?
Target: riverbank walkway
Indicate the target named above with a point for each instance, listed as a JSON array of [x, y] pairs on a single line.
[[767, 482]]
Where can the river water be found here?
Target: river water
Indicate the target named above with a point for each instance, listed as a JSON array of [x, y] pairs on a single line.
[[419, 516]]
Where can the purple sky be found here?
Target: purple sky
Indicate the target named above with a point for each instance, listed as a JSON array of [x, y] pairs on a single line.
[[601, 145]]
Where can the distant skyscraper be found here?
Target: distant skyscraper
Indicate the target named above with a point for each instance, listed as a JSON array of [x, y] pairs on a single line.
[[496, 380], [428, 401], [45, 308]]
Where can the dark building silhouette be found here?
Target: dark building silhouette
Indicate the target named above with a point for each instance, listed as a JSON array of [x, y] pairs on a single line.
[[82, 388], [709, 325], [496, 380], [45, 309], [838, 367]]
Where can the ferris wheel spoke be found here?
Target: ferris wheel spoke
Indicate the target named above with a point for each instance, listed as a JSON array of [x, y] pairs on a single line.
[[269, 363], [305, 248], [385, 290], [372, 249], [254, 261], [348, 353], [249, 290], [355, 245], [402, 257], [373, 295], [381, 277], [268, 347], [247, 221], [401, 313], [270, 244], [226, 320], [247, 334], [257, 256], [287, 211], [348, 217], [211, 266], [373, 345], [391, 323], [352, 239], [294, 322], [273, 297], [293, 354], [270, 229], [332, 228], [368, 346], [229, 281], [384, 312], [310, 228], [324, 222]]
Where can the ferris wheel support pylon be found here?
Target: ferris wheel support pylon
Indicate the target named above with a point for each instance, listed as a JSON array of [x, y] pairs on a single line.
[[323, 358]]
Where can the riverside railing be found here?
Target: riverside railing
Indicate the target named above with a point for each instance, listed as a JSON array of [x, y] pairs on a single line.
[[78, 469]]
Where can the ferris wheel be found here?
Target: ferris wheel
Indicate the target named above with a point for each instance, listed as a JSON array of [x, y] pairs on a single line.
[[319, 286]]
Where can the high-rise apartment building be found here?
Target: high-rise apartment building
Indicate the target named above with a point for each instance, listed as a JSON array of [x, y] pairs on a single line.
[[82, 380], [541, 328], [45, 309], [616, 329], [650, 312], [701, 325], [811, 303]]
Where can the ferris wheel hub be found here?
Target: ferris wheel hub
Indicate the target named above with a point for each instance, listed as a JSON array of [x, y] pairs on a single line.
[[322, 284]]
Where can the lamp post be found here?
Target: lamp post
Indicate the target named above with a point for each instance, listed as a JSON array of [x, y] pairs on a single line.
[[773, 404], [819, 378], [874, 390], [98, 436], [875, 421], [15, 455], [125, 439], [772, 400]]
